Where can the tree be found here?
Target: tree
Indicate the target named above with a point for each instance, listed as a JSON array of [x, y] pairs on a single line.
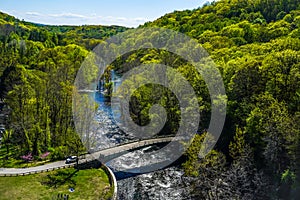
[[6, 139], [268, 129], [242, 179], [280, 70]]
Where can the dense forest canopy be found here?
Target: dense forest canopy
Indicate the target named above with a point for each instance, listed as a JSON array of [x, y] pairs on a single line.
[[256, 45], [38, 66]]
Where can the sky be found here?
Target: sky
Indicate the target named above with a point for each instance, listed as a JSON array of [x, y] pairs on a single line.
[[130, 13]]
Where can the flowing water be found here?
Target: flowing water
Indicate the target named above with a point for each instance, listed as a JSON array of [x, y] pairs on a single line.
[[163, 184]]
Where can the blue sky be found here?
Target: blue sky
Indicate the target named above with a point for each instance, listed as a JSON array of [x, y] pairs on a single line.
[[129, 13]]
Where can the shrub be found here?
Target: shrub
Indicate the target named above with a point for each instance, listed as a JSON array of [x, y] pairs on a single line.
[[44, 155], [58, 153], [27, 158]]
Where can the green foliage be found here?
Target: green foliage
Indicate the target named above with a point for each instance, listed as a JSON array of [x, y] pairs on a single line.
[[58, 153], [195, 164], [256, 44], [237, 147], [37, 72], [288, 176]]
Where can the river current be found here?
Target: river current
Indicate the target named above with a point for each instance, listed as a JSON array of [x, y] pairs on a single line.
[[166, 184]]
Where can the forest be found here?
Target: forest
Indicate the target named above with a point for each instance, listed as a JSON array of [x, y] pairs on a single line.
[[256, 46], [38, 66]]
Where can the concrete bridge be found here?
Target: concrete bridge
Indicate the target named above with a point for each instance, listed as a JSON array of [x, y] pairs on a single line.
[[104, 155], [108, 154]]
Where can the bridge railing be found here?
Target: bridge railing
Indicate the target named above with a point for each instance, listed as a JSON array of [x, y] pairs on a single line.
[[133, 141]]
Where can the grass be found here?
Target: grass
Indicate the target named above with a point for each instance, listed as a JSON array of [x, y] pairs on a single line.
[[89, 184]]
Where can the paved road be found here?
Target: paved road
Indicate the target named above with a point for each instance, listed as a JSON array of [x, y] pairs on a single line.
[[41, 168], [87, 158]]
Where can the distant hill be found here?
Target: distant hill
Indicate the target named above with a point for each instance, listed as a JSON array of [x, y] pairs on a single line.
[[211, 19], [87, 35]]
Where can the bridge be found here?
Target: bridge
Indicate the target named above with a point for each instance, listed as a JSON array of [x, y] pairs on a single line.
[[104, 155], [108, 154]]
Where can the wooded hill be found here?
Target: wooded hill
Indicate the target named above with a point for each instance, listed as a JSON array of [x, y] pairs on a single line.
[[255, 44], [37, 68]]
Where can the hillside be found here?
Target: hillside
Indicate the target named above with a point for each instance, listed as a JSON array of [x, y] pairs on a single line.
[[256, 44], [17, 35], [87, 35], [38, 64]]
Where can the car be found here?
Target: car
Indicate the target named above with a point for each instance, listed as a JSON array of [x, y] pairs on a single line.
[[71, 159]]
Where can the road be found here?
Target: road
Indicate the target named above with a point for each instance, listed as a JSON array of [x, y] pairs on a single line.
[[86, 158]]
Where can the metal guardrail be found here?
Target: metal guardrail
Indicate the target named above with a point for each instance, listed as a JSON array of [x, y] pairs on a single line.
[[40, 171]]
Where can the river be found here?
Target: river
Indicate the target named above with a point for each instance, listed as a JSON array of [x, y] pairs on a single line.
[[166, 184]]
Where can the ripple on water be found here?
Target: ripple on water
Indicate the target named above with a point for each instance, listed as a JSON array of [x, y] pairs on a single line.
[[165, 184]]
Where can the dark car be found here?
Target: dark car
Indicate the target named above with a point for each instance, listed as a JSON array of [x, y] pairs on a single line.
[[71, 159]]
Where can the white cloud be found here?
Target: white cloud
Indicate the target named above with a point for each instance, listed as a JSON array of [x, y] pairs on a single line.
[[79, 19], [33, 14], [68, 15]]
